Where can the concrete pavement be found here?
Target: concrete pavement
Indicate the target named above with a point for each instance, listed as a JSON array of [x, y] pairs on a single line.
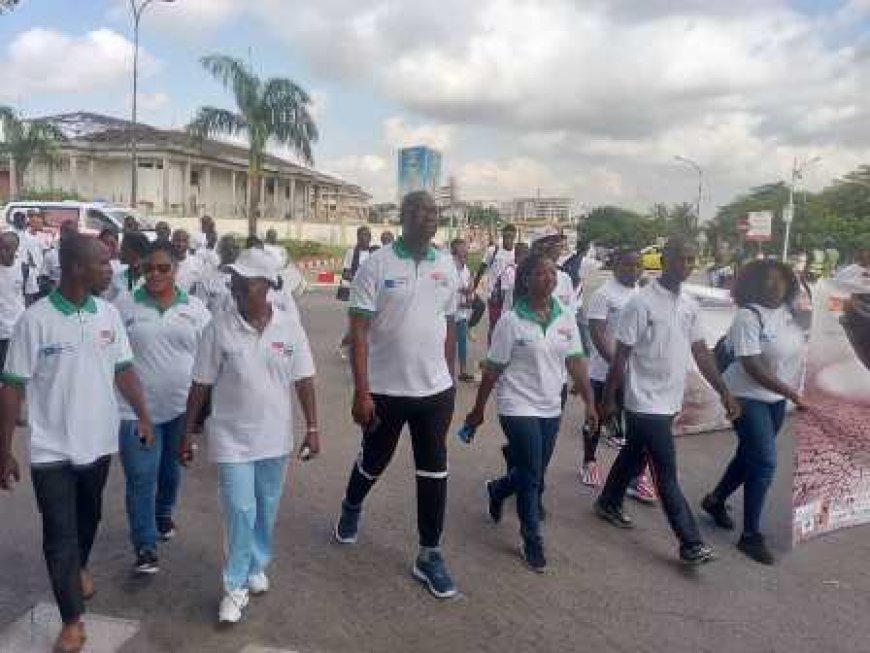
[[606, 590]]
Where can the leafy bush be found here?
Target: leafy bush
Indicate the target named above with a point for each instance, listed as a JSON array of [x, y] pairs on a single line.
[[49, 195], [302, 249]]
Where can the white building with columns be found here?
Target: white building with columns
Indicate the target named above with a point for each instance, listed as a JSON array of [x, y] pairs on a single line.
[[182, 178]]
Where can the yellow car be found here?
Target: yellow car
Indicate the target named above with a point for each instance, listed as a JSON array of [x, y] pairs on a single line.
[[651, 257]]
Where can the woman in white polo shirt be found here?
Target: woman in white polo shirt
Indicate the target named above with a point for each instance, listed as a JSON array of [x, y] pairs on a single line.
[[164, 325], [769, 351], [251, 359], [532, 345]]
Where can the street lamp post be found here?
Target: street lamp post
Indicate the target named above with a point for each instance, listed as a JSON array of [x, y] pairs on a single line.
[[137, 10], [788, 217], [697, 168]]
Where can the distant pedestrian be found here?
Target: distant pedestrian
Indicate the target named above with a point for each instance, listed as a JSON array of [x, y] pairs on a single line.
[[533, 345], [658, 333], [495, 259], [402, 308], [769, 353], [70, 352], [213, 285], [16, 290], [251, 360], [459, 251], [163, 231], [859, 271], [276, 250], [354, 257], [189, 268], [387, 238]]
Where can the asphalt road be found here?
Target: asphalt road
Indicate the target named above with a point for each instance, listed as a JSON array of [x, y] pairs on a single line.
[[606, 590]]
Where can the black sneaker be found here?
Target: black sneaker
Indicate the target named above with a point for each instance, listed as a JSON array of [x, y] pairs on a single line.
[[718, 511], [146, 562], [755, 547], [614, 516], [696, 554], [166, 530], [494, 506], [347, 526], [533, 555]]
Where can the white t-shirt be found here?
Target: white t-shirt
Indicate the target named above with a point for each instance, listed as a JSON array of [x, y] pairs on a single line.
[[32, 252], [189, 272], [464, 309], [508, 279], [347, 263], [278, 253], [776, 338], [854, 274], [213, 289], [661, 328], [409, 304], [606, 304], [12, 291], [120, 284], [164, 344], [51, 264], [496, 260], [532, 356], [252, 375], [68, 357], [564, 292]]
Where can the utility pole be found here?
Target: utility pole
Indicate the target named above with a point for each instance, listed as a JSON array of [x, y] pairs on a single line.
[[788, 214], [700, 172]]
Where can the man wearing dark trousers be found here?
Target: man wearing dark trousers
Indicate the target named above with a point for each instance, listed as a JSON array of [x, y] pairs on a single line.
[[657, 333], [403, 301], [70, 351]]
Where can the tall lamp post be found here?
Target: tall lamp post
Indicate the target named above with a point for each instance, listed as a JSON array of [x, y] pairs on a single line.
[[137, 9], [697, 168], [797, 172]]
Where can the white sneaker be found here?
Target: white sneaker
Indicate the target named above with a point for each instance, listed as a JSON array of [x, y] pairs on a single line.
[[258, 583], [232, 604]]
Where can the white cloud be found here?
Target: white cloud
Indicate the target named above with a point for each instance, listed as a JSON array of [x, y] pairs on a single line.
[[154, 102], [47, 61], [398, 133]]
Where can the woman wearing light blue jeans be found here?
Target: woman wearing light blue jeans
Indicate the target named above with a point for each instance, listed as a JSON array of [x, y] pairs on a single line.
[[251, 360]]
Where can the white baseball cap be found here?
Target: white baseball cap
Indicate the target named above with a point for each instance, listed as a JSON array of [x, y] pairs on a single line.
[[544, 233], [255, 263]]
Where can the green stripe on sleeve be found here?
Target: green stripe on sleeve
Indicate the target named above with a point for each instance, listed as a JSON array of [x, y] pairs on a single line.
[[12, 379], [123, 365], [362, 312], [495, 365]]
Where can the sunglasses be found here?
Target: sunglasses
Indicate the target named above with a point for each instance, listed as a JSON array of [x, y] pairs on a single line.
[[162, 268]]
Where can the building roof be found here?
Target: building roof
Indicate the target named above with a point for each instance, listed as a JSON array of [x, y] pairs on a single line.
[[92, 130]]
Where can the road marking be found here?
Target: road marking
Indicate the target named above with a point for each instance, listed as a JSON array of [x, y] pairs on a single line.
[[253, 648], [36, 630]]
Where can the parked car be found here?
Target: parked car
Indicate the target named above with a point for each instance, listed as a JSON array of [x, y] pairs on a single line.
[[92, 217], [651, 257]]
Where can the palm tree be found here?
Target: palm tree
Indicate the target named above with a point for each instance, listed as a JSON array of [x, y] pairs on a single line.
[[274, 110], [24, 140]]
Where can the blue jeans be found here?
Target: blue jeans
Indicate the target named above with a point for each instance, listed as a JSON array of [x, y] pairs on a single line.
[[462, 343], [250, 494], [152, 477], [754, 462], [531, 441]]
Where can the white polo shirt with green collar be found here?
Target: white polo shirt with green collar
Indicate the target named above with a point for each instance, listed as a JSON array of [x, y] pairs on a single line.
[[164, 344], [531, 354], [253, 375], [409, 303], [67, 356]]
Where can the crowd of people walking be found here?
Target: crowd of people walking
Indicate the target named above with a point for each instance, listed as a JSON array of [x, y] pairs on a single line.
[[131, 347]]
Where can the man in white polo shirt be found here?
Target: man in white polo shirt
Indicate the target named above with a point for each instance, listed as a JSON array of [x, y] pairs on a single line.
[[658, 333], [403, 339], [70, 350]]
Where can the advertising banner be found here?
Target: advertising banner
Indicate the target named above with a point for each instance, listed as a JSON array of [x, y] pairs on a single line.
[[832, 439], [759, 226]]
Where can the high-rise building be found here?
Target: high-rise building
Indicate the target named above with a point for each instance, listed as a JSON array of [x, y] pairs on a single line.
[[419, 169]]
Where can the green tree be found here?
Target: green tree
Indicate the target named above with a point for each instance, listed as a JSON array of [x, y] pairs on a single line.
[[613, 226], [275, 110], [23, 141]]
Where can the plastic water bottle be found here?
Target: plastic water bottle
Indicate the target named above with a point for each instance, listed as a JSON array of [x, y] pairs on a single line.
[[466, 433]]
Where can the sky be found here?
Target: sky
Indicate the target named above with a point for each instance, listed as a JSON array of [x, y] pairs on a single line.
[[591, 99]]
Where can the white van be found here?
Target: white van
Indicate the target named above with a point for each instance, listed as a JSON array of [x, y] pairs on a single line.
[[92, 217]]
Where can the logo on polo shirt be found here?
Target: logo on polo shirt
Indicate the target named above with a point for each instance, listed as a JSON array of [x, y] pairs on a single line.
[[106, 336], [565, 332], [57, 348], [398, 282], [282, 349]]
